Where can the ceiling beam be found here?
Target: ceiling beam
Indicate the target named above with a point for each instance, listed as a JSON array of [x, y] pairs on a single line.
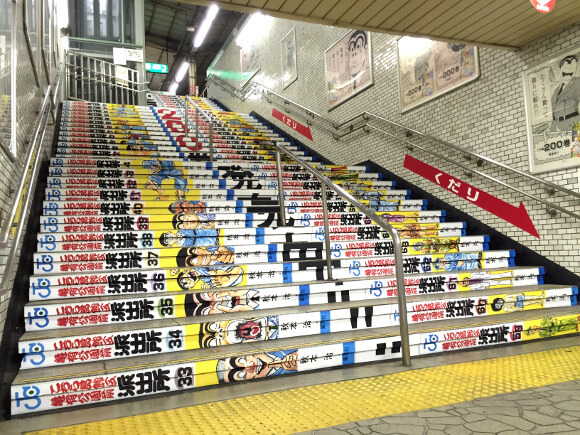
[[161, 42], [151, 19]]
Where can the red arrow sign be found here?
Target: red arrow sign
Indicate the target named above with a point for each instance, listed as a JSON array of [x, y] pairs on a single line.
[[517, 216], [294, 125]]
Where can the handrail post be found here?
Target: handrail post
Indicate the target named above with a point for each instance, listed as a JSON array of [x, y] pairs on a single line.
[[186, 108], [210, 141], [401, 299], [326, 232], [282, 215], [378, 220], [196, 127]]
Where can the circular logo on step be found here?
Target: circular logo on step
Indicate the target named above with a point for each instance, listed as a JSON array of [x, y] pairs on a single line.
[[543, 6]]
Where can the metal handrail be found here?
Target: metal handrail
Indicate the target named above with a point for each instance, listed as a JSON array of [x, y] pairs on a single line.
[[476, 155], [550, 187], [96, 76], [481, 174], [232, 89], [199, 110], [5, 232], [399, 272], [25, 182]]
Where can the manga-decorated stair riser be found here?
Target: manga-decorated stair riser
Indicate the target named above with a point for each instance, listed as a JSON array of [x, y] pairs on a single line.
[[146, 249]]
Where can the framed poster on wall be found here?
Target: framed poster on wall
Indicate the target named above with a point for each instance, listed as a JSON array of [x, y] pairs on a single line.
[[428, 69], [349, 67], [289, 69], [552, 100], [249, 63]]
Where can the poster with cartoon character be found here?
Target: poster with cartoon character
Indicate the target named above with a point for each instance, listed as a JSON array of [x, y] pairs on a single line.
[[349, 67], [552, 99], [428, 69], [249, 63], [289, 70]]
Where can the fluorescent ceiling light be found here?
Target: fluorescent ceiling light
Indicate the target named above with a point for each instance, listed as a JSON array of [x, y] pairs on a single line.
[[173, 88], [204, 28], [257, 26], [182, 71]]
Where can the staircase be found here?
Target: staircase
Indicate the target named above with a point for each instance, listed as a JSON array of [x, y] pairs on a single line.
[[158, 270]]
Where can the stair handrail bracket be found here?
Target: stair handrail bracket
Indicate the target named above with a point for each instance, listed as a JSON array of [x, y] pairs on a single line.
[[362, 120], [327, 183]]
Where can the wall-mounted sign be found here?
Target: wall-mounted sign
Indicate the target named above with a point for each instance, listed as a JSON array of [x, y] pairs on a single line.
[[349, 67], [158, 68], [543, 6], [123, 55], [428, 69], [517, 216], [293, 124], [134, 55], [552, 98], [122, 75]]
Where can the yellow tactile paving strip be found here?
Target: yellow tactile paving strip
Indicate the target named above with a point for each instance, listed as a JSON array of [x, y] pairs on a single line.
[[320, 406]]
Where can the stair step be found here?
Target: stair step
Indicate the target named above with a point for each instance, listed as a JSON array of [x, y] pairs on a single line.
[[55, 314], [52, 388], [155, 336], [303, 284]]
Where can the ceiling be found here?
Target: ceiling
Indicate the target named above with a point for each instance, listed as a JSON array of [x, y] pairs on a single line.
[[507, 24], [168, 41]]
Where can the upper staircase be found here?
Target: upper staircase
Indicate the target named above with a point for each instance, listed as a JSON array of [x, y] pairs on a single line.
[[158, 270]]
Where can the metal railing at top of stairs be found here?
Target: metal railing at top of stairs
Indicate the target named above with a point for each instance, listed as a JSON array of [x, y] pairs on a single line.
[[92, 79], [359, 122], [327, 183], [24, 192]]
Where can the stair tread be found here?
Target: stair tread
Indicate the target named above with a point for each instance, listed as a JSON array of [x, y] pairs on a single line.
[[181, 321], [378, 301], [123, 364]]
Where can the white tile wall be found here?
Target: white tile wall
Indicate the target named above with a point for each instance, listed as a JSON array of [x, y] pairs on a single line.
[[486, 116]]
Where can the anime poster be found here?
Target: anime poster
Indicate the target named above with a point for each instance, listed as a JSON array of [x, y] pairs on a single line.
[[552, 99], [289, 69], [428, 69], [249, 63], [348, 65]]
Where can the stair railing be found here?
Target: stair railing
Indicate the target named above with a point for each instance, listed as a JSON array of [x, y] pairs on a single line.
[[92, 79], [23, 194], [327, 183], [361, 122], [198, 111], [249, 88]]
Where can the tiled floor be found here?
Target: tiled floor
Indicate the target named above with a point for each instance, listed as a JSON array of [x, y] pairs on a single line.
[[550, 409]]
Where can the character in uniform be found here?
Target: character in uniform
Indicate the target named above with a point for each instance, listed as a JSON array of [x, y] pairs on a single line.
[[163, 170], [566, 96]]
